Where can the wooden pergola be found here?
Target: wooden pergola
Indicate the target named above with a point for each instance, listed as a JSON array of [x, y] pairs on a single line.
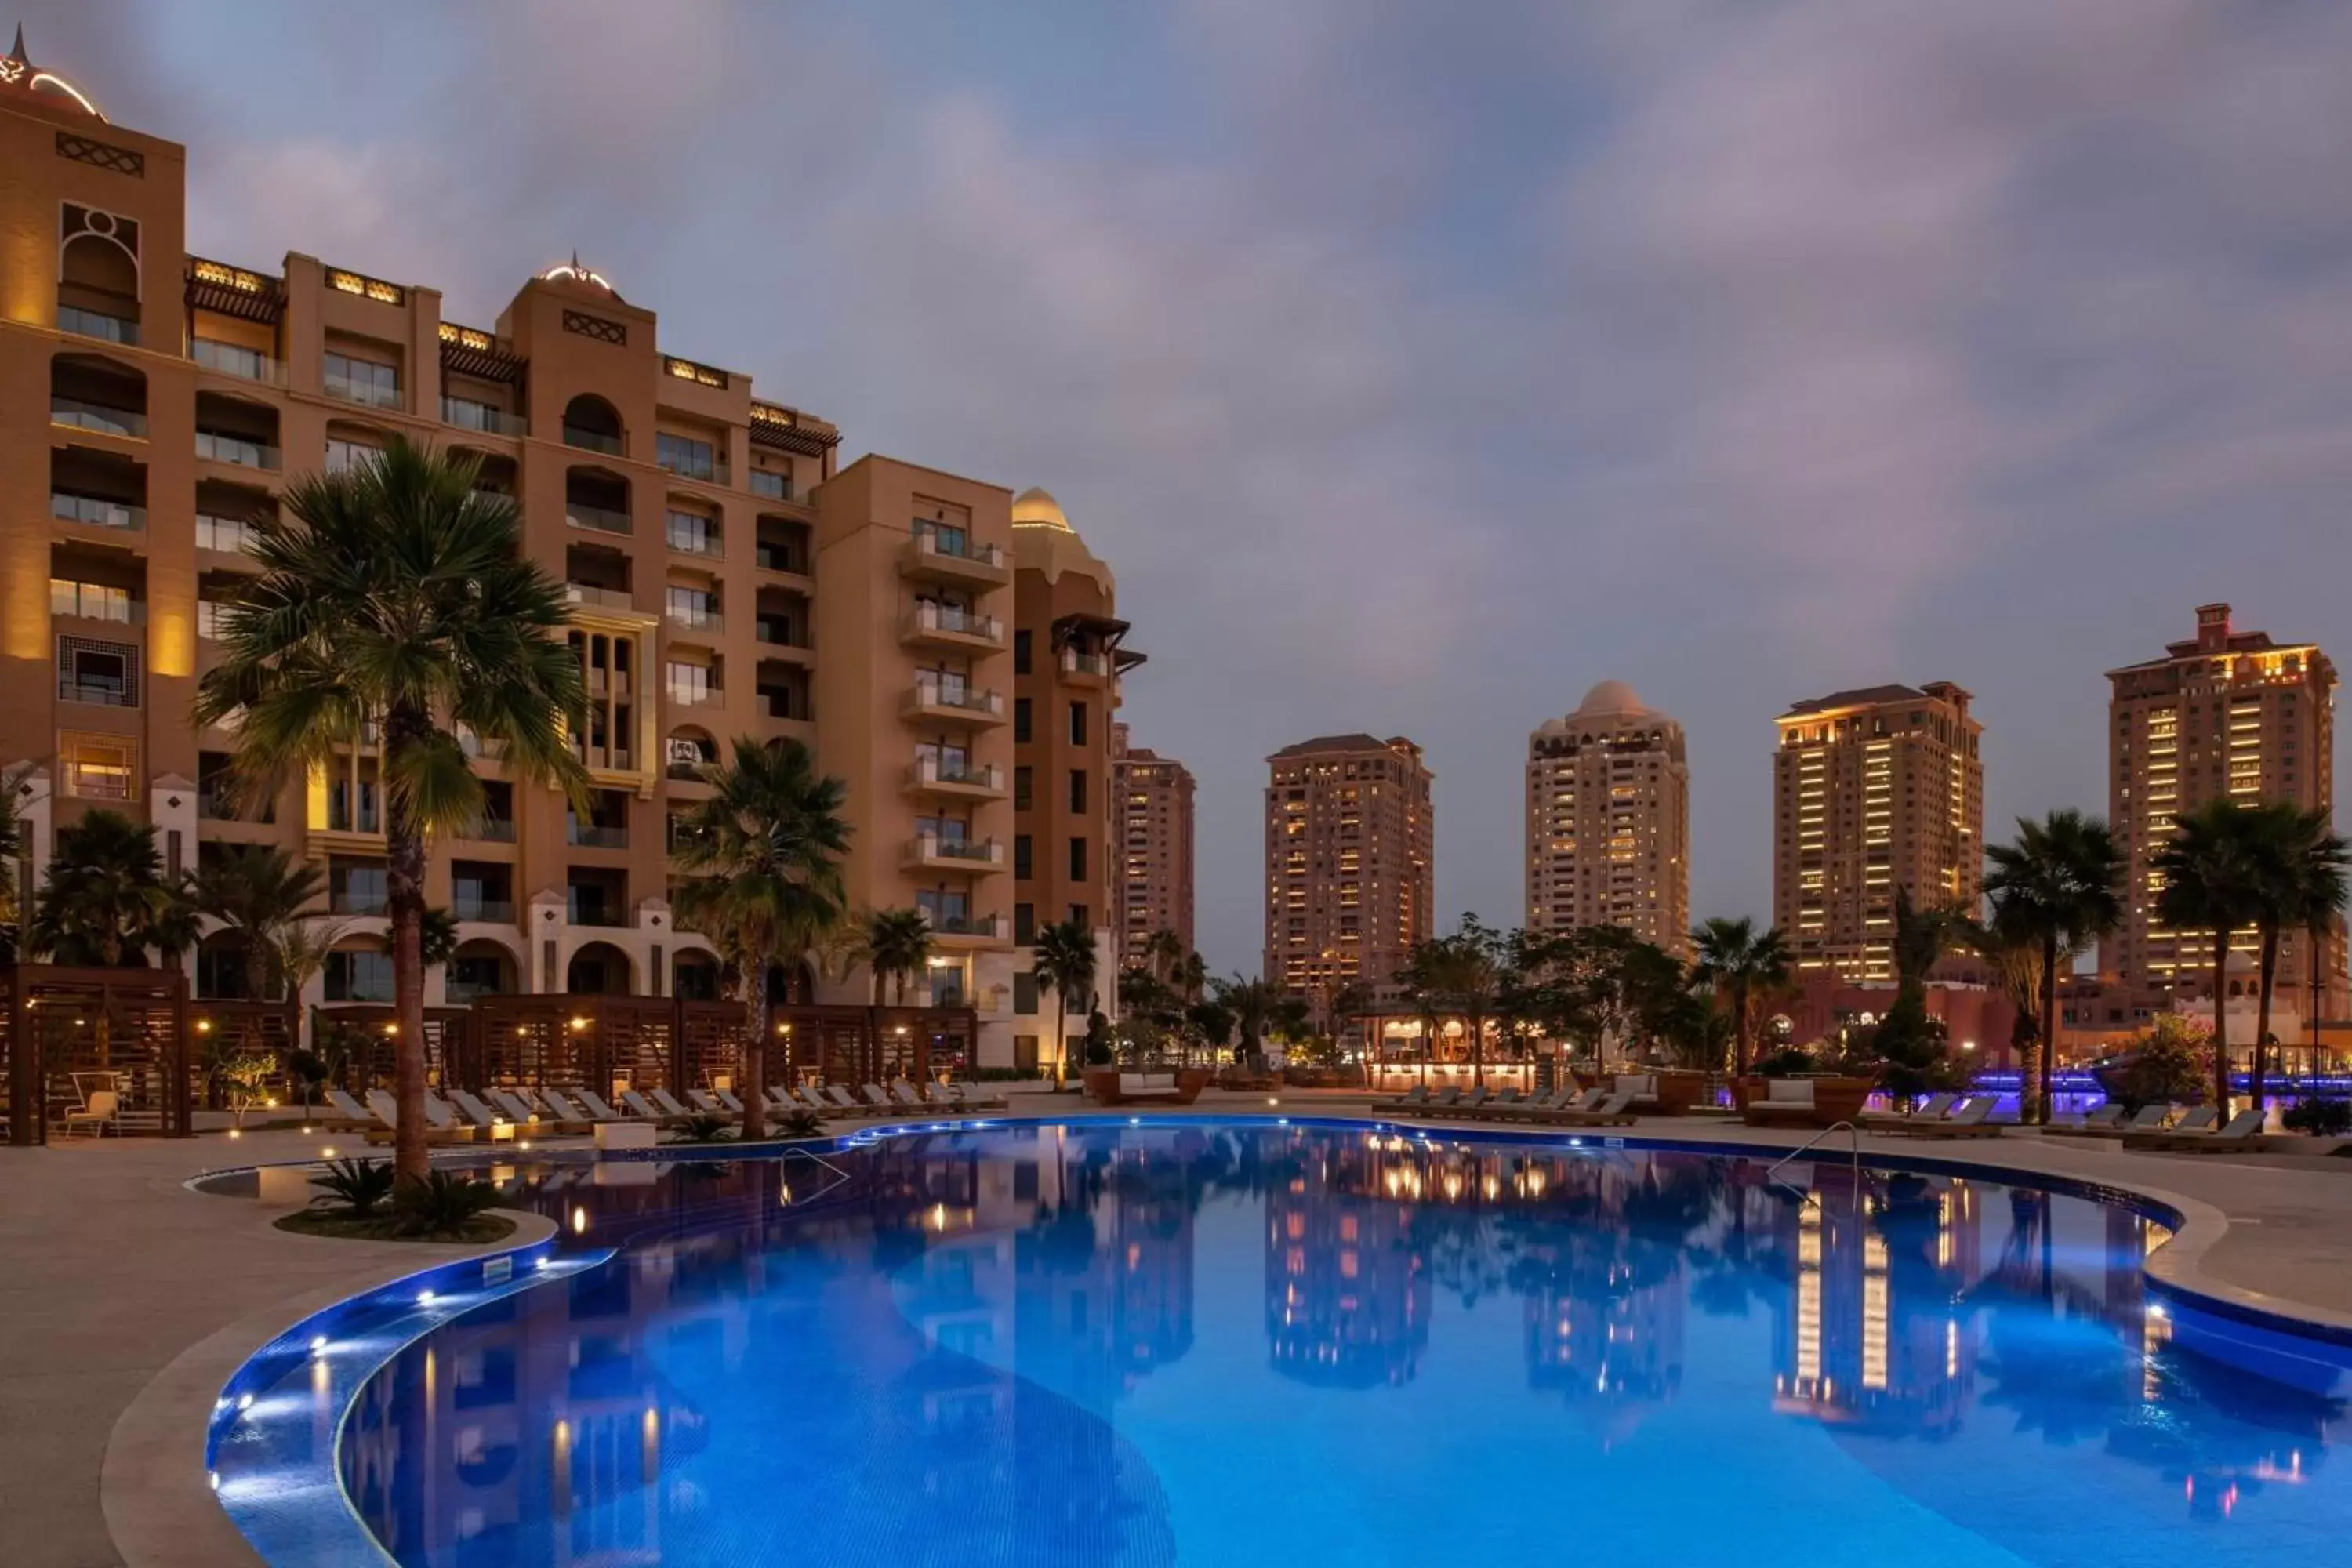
[[852, 1045], [640, 1041], [70, 1029]]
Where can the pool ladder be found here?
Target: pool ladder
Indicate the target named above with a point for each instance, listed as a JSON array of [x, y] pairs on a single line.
[[1853, 1129]]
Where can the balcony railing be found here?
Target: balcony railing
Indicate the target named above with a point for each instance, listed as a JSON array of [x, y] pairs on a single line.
[[604, 598], [929, 848], [610, 757], [952, 621], [603, 519], [496, 911], [352, 901], [581, 914], [244, 453], [683, 696], [230, 533], [101, 693], [97, 324], [768, 484], [693, 537], [960, 699], [94, 602], [993, 928], [98, 417], [695, 618], [233, 359], [592, 441], [953, 551], [595, 835], [1074, 662], [466, 413], [778, 558], [930, 770], [367, 394], [95, 511], [489, 830]]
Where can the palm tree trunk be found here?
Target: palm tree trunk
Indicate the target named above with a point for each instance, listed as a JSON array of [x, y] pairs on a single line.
[[2037, 1066], [257, 966], [1061, 1072], [2220, 1025], [1741, 1054], [755, 1050], [1478, 1023], [404, 898], [2269, 978]]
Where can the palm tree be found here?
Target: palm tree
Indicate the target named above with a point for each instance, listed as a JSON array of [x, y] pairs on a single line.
[[2300, 883], [2212, 881], [760, 868], [16, 786], [1250, 1004], [105, 901], [256, 891], [2014, 953], [1462, 973], [2061, 883], [1738, 963], [1062, 960], [894, 945], [1161, 953]]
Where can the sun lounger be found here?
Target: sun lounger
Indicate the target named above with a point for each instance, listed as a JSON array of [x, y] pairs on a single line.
[[903, 1093], [1506, 1104], [642, 1109], [872, 1094], [2107, 1120], [2146, 1119], [667, 1103], [1445, 1099], [1616, 1110], [471, 1108], [2244, 1132], [602, 1109], [1971, 1119], [1642, 1086], [540, 1119], [350, 1115], [387, 1116], [567, 1113], [706, 1103], [1934, 1107], [1416, 1096]]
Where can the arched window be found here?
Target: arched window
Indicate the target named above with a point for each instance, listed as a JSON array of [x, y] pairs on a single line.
[[98, 275], [592, 423]]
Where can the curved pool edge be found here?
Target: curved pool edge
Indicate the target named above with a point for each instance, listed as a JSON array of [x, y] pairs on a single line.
[[154, 1490], [2175, 1271]]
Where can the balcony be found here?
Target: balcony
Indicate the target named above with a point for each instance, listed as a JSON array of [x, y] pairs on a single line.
[[927, 852], [952, 702], [781, 558], [950, 781], [594, 835], [589, 440], [213, 446], [466, 413], [587, 914], [683, 696], [79, 414], [489, 830], [602, 598], [936, 558], [941, 626], [230, 359], [357, 901], [610, 759], [490, 911], [95, 512], [95, 602], [697, 620], [689, 534], [232, 535], [955, 930], [366, 391], [602, 519], [97, 325], [1085, 665]]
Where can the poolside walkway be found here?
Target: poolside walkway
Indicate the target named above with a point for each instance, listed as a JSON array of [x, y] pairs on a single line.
[[111, 1271]]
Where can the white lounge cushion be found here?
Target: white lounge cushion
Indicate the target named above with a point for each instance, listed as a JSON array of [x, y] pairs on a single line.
[[1788, 1091]]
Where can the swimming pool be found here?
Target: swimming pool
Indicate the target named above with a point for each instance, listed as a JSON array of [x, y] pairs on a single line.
[[1231, 1343]]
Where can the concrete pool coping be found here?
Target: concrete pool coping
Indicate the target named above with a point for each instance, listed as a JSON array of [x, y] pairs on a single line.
[[82, 1497]]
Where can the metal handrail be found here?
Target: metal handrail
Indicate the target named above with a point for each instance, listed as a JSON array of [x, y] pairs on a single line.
[[1854, 1128]]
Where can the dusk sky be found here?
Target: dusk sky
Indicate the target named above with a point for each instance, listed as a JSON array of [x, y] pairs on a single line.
[[1417, 366]]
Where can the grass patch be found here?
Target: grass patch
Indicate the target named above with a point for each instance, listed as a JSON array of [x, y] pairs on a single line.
[[384, 1228]]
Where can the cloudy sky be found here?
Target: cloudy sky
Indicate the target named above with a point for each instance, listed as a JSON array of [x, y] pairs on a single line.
[[1417, 366]]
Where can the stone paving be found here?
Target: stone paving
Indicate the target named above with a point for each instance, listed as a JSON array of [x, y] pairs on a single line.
[[112, 1272]]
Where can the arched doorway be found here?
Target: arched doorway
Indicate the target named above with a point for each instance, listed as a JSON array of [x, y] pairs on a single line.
[[481, 968], [693, 977], [599, 969]]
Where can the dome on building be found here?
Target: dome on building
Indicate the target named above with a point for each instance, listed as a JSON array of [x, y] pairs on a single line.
[[1611, 697], [588, 277], [18, 72], [1034, 508]]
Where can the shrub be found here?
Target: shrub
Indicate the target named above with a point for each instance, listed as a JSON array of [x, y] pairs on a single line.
[[2169, 1063], [354, 1187], [702, 1129], [2323, 1118], [442, 1203], [798, 1124], [1788, 1061]]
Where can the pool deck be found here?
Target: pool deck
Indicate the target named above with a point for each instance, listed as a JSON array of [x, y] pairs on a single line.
[[126, 1299]]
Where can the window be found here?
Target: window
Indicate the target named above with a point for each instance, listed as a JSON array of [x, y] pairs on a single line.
[[1020, 653], [1024, 992], [90, 601], [358, 977], [356, 380], [1078, 859], [1077, 789], [343, 454], [1021, 720], [945, 539], [692, 534], [691, 683], [1082, 916], [1024, 923], [355, 888], [103, 673], [769, 483], [685, 455], [1021, 789], [1020, 872], [1078, 724], [101, 767]]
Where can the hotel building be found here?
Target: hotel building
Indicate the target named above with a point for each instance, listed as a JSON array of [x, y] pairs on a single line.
[[1348, 843], [692, 519], [1067, 660], [1874, 790], [1608, 820], [1152, 837], [2224, 715]]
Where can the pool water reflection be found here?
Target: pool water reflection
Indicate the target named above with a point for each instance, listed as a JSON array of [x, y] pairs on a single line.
[[1227, 1344]]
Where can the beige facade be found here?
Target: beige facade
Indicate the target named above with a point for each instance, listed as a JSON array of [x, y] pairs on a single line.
[[1608, 820], [1152, 828], [692, 519], [1349, 847], [2229, 715], [1067, 662], [1874, 790]]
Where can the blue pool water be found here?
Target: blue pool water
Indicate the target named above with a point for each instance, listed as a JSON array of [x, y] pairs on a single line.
[[1240, 1344]]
